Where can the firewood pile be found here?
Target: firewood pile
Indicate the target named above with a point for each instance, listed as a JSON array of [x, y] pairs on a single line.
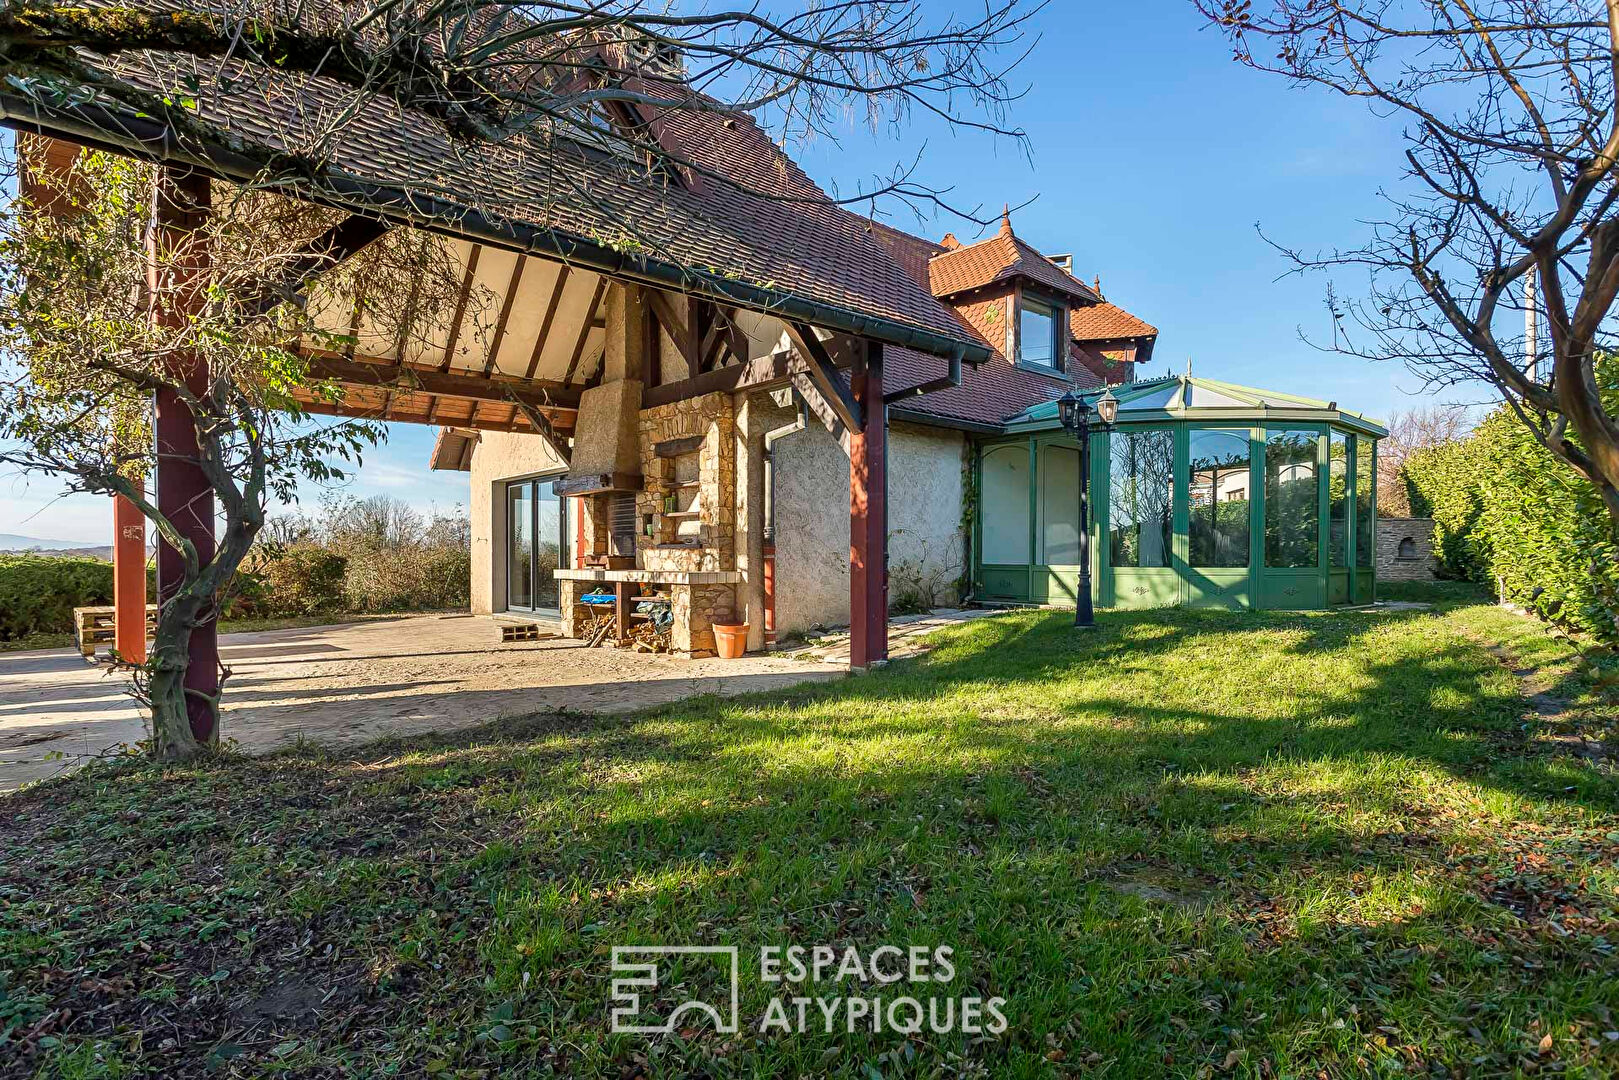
[[648, 632]]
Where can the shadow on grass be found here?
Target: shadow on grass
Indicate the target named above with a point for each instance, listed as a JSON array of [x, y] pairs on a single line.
[[1186, 835]]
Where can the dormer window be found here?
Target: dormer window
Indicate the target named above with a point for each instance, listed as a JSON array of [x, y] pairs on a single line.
[[1038, 323]]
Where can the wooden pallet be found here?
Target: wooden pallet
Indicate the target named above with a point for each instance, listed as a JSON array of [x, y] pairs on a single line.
[[93, 626]]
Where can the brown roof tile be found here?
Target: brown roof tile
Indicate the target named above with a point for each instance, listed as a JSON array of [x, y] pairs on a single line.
[[1107, 322], [1002, 257], [764, 225]]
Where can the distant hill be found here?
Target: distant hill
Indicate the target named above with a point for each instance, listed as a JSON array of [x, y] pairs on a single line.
[[13, 542]]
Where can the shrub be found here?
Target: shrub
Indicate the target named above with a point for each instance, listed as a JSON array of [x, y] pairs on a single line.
[[1508, 515], [295, 579], [39, 592]]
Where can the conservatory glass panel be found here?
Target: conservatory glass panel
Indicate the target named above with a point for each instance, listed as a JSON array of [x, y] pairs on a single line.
[[1292, 510], [1340, 489], [1059, 506], [1141, 493], [1218, 529], [1006, 506], [1365, 509]]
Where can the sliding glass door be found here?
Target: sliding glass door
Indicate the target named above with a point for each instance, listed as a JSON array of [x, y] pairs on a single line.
[[536, 544]]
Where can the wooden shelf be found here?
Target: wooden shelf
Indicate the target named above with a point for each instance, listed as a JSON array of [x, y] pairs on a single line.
[[684, 515]]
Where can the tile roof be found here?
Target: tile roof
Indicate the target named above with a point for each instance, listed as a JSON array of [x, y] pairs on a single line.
[[1003, 257], [758, 231], [994, 392], [989, 394], [1107, 322]]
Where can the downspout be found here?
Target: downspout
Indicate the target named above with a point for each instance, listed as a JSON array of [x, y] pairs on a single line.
[[768, 600]]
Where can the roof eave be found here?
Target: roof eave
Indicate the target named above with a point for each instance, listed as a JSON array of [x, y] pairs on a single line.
[[150, 140], [1337, 417]]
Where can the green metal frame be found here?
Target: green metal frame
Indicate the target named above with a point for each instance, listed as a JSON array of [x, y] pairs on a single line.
[[1180, 583]]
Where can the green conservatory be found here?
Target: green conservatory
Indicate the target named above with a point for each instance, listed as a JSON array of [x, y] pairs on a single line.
[[1202, 493]]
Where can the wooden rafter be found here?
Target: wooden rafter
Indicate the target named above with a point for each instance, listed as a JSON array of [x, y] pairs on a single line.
[[467, 281], [476, 421], [550, 317], [824, 374], [680, 330], [584, 330], [505, 314], [543, 428], [547, 397], [336, 244]]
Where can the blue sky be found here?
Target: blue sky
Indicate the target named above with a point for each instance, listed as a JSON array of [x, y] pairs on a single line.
[[1152, 158]]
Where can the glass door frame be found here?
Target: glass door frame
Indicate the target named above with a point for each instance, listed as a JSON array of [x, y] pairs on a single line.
[[539, 489]]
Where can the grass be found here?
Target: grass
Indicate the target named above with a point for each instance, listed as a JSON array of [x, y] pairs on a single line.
[[1191, 844]]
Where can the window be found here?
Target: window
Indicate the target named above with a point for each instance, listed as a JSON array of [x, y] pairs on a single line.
[[536, 544], [1059, 506], [1037, 334], [1218, 530], [1005, 478], [1340, 486], [1141, 498], [1292, 512], [1408, 548], [1365, 504]]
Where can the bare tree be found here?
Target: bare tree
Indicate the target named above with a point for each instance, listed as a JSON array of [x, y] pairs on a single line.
[[88, 336], [1511, 137], [594, 71], [1409, 432]]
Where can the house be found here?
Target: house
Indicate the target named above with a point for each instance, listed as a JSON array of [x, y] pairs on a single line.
[[1045, 332], [714, 394]]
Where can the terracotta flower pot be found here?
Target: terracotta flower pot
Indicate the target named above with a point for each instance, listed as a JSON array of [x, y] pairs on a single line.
[[730, 639]]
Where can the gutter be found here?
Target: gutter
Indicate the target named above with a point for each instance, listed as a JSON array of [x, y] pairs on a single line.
[[153, 141]]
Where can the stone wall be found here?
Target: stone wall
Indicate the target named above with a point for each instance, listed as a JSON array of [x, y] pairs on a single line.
[[1405, 549], [811, 502], [498, 457], [712, 420]]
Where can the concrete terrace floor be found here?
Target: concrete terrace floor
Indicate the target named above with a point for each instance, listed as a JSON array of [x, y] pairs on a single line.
[[348, 684]]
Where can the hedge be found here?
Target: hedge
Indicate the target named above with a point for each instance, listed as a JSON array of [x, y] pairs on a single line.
[[39, 592], [1509, 515]]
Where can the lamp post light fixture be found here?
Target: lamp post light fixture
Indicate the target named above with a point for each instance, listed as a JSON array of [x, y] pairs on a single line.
[[1075, 413]]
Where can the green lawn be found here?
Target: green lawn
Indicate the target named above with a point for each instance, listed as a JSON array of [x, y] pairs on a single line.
[[1191, 844]]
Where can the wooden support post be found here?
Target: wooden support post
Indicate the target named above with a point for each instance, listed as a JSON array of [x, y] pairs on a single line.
[[868, 516], [184, 496], [621, 609], [750, 500], [129, 580]]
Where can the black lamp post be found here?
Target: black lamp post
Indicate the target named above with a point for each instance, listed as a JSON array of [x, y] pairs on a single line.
[[1076, 414]]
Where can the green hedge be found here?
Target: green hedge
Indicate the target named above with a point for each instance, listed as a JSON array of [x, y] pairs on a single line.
[[1508, 515], [38, 592]]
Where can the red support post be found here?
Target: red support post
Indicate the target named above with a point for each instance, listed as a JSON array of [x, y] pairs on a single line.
[[177, 269], [868, 516], [128, 580]]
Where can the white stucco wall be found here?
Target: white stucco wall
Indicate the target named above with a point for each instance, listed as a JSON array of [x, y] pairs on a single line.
[[925, 492], [498, 457]]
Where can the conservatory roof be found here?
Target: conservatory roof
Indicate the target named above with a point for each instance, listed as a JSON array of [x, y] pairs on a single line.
[[1188, 397]]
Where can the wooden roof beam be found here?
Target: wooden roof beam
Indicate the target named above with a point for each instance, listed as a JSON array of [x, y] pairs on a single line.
[[337, 244], [546, 397]]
